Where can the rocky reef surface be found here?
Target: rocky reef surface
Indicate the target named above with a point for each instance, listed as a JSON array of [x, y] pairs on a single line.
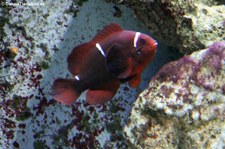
[[36, 38], [184, 105], [187, 25]]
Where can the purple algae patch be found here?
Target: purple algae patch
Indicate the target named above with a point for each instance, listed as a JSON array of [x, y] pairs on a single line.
[[204, 71], [174, 70]]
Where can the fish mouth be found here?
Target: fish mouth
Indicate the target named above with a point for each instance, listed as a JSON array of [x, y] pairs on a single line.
[[155, 44]]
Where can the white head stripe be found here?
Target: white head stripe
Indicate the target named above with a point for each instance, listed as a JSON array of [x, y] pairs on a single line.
[[77, 78], [136, 38], [100, 49]]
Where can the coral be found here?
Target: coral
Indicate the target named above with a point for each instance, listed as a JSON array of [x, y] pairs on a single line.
[[187, 25], [184, 105]]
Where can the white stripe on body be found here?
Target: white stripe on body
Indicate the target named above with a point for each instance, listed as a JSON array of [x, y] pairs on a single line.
[[136, 38], [100, 49], [77, 78]]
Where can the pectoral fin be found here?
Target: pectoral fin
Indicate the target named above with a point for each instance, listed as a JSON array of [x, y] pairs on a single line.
[[134, 82], [119, 61]]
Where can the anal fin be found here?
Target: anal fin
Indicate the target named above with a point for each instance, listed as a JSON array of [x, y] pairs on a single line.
[[103, 93]]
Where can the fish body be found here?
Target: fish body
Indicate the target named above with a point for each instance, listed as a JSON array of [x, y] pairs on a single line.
[[112, 57]]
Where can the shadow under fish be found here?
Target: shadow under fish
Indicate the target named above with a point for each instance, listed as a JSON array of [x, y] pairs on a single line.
[[112, 57]]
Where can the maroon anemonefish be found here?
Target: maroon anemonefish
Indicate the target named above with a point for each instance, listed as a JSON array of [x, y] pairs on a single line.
[[112, 57]]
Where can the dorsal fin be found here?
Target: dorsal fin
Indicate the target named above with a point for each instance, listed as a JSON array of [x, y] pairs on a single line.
[[77, 56], [107, 30]]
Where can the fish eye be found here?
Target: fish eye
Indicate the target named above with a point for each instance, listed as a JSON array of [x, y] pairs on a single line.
[[142, 41]]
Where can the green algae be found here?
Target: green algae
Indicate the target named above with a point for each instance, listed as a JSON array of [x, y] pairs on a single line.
[[3, 21], [80, 2], [44, 65], [22, 111], [61, 137], [24, 115], [6, 86], [38, 144], [114, 126], [113, 107], [16, 101]]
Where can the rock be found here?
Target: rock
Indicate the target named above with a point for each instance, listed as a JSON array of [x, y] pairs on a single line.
[[13, 51], [44, 33], [184, 105], [189, 26]]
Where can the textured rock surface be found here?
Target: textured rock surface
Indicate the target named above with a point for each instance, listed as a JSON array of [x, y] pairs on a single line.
[[189, 25], [36, 38], [184, 106], [44, 33]]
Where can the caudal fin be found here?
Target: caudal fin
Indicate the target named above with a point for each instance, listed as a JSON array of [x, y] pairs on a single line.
[[64, 91]]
